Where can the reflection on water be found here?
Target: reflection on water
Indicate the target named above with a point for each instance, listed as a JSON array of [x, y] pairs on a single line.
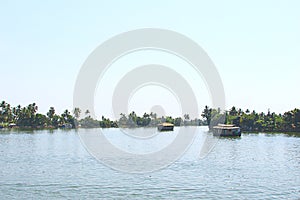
[[54, 164]]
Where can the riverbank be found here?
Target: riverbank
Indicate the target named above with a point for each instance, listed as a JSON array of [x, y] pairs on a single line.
[[28, 117], [51, 129]]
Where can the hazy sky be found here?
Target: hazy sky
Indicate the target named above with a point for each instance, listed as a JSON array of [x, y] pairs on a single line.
[[255, 46]]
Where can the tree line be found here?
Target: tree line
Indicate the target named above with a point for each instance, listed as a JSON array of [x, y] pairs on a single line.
[[28, 117], [254, 121]]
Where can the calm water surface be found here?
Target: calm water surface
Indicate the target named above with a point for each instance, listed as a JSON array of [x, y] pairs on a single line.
[[55, 165]]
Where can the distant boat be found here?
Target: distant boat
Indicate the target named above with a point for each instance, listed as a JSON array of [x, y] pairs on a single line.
[[66, 126], [165, 127], [226, 130], [12, 125]]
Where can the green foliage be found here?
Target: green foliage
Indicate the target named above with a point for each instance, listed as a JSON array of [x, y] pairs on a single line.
[[89, 122], [151, 120], [207, 114], [270, 122], [76, 113], [28, 117], [107, 123]]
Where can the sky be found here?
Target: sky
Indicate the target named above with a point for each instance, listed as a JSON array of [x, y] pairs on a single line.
[[254, 45]]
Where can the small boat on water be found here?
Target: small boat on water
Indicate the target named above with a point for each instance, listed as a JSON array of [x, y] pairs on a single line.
[[226, 130], [66, 126], [12, 125], [165, 127]]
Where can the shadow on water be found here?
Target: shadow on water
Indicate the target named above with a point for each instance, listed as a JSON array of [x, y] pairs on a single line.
[[288, 134], [34, 131], [231, 138]]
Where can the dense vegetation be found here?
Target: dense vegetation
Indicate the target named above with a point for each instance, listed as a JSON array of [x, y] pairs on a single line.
[[253, 121], [28, 117], [133, 120]]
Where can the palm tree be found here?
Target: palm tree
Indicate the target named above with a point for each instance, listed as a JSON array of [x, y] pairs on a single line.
[[240, 112], [65, 116], [76, 112], [233, 111], [87, 112], [206, 114], [3, 104], [153, 115], [50, 115], [3, 116], [186, 117]]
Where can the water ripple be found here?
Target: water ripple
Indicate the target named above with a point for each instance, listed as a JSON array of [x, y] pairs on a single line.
[[55, 166]]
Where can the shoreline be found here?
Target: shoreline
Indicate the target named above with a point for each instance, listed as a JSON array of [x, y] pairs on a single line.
[[19, 129]]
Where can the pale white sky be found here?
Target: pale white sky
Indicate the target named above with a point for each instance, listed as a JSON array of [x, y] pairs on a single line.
[[255, 46]]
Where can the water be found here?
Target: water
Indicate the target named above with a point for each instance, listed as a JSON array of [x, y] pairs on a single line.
[[55, 165]]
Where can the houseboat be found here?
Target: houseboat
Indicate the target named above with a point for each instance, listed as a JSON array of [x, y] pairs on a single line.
[[165, 127], [226, 130]]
